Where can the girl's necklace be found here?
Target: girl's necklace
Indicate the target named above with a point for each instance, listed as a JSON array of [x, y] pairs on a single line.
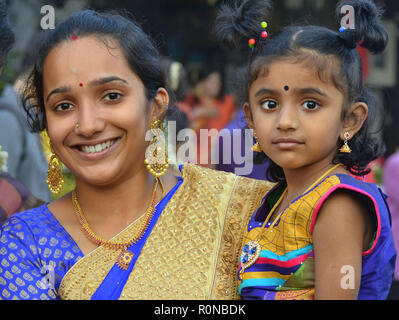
[[252, 249]]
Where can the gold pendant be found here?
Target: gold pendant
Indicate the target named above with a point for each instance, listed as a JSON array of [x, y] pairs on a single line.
[[345, 148], [256, 147], [124, 259]]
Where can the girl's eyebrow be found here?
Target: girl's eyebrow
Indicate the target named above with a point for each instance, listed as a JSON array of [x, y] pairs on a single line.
[[93, 83], [311, 90], [302, 91], [263, 91]]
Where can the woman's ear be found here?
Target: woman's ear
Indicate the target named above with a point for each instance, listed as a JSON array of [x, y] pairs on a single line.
[[355, 118], [160, 104], [248, 115]]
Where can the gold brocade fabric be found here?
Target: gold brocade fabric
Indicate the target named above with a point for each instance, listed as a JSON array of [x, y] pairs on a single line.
[[192, 252]]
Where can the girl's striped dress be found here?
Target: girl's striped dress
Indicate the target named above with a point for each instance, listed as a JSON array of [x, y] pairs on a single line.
[[285, 266]]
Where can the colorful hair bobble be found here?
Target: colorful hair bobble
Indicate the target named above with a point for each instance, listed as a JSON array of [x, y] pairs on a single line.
[[264, 35], [342, 29]]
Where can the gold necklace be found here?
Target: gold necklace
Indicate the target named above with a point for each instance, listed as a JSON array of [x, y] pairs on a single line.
[[251, 250], [125, 256]]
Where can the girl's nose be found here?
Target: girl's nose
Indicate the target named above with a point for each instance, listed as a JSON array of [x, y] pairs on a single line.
[[288, 118]]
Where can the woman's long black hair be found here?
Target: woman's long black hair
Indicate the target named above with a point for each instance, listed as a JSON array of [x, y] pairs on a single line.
[[320, 47], [138, 49]]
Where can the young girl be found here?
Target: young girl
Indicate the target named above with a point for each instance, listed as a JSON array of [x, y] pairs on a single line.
[[319, 233]]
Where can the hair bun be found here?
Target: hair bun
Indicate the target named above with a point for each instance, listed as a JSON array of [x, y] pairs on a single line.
[[368, 30], [240, 19]]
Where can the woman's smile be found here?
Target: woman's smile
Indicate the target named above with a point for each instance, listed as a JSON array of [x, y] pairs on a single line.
[[95, 151]]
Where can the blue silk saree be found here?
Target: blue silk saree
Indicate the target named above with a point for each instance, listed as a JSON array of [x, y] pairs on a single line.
[[189, 251]]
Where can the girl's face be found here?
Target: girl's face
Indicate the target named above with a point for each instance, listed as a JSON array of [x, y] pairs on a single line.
[[97, 112], [296, 116]]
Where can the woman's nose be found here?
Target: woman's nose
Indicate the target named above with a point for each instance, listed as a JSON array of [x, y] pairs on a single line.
[[90, 120]]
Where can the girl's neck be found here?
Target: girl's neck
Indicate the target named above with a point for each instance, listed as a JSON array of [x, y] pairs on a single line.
[[299, 180]]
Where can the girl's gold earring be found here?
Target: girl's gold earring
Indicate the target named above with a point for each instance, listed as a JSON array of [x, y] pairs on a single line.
[[55, 179], [345, 148], [256, 147], [156, 155]]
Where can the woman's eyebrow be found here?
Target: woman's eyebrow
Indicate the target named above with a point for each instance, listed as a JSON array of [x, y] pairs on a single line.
[[63, 89], [104, 80], [93, 83]]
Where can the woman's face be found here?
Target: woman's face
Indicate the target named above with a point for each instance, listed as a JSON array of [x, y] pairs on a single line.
[[96, 109]]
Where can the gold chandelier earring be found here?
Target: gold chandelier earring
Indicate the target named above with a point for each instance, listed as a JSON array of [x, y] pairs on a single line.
[[256, 147], [156, 154], [345, 148], [55, 179]]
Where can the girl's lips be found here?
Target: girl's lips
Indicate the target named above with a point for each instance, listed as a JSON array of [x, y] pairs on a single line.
[[287, 144], [95, 156]]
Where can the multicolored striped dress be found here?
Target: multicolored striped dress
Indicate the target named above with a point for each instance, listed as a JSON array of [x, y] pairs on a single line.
[[284, 269]]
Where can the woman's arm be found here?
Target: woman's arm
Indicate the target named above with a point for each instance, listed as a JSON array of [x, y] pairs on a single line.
[[342, 231]]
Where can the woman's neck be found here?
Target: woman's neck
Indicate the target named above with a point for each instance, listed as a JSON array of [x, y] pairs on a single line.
[[123, 202]]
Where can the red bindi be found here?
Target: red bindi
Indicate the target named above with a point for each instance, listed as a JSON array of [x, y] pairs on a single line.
[[81, 84]]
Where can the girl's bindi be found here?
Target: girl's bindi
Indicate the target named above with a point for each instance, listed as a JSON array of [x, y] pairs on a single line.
[[286, 88]]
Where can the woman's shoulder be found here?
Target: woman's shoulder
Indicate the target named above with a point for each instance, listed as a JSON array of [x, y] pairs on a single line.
[[195, 173], [35, 222]]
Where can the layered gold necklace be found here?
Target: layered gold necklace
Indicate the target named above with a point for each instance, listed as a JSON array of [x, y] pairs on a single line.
[[126, 256]]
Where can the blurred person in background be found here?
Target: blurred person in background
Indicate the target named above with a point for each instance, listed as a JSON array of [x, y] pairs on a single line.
[[26, 160], [14, 196], [210, 109], [391, 186]]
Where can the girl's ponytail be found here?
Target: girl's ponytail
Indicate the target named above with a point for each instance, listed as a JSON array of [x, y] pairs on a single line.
[[240, 19], [369, 30]]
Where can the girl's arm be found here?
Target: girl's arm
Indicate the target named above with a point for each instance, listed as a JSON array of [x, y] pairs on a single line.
[[342, 231]]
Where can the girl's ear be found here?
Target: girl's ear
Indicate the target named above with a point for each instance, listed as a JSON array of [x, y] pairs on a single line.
[[160, 104], [355, 118], [248, 115]]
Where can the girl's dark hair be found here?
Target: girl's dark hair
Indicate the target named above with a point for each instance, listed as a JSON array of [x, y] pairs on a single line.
[[138, 49], [331, 52], [7, 37]]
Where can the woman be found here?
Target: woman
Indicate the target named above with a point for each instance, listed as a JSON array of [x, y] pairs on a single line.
[[97, 88]]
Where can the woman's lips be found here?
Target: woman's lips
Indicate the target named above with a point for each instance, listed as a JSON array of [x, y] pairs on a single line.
[[82, 150]]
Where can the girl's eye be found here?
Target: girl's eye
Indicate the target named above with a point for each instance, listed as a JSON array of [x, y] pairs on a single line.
[[269, 105], [112, 96], [63, 107], [311, 105]]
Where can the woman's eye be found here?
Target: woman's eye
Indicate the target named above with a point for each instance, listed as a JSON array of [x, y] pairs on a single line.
[[269, 105], [311, 105], [113, 96], [63, 107]]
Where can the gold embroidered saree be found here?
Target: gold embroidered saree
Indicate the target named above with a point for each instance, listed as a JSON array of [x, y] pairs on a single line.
[[191, 252]]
